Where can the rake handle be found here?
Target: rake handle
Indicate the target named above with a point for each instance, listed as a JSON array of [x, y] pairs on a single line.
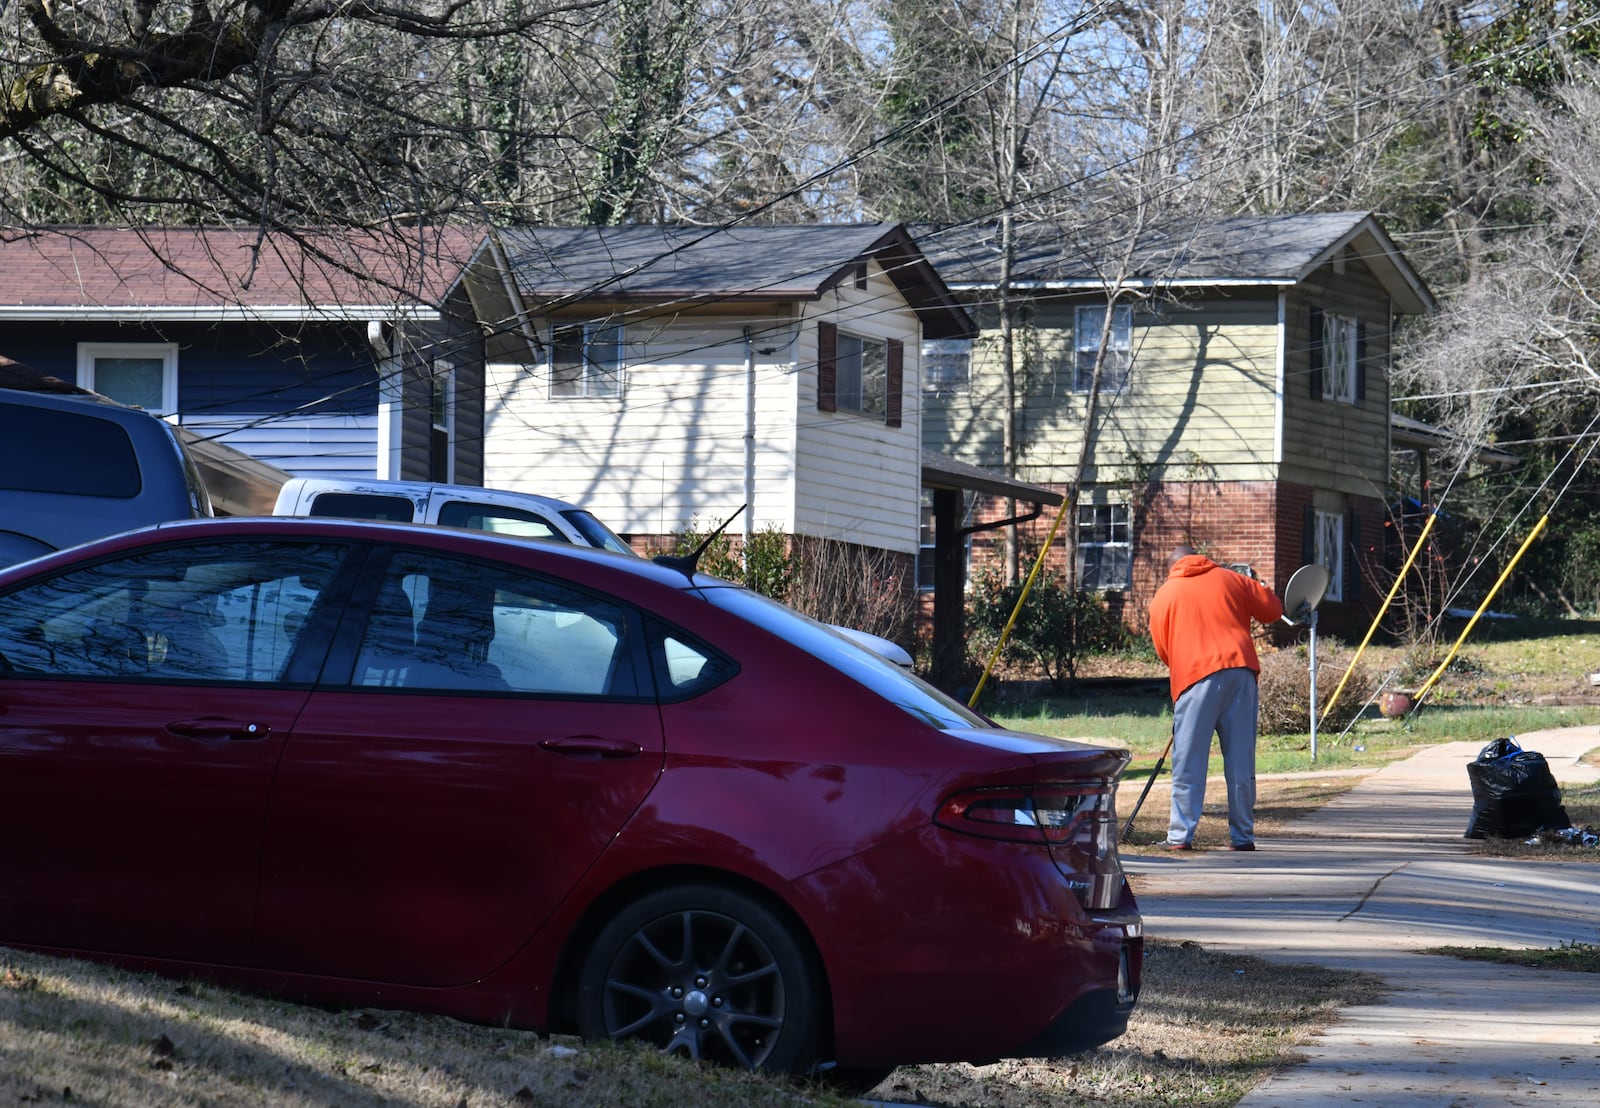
[[1127, 828]]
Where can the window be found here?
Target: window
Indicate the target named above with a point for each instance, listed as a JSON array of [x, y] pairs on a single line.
[[1119, 348], [856, 374], [230, 612], [946, 366], [1328, 550], [683, 666], [1105, 550], [442, 419], [1340, 362], [586, 360], [927, 542], [143, 374], [499, 520], [363, 505], [448, 625], [863, 375], [44, 450]]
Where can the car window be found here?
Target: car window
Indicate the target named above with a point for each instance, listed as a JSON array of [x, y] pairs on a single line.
[[363, 505], [683, 665], [448, 624], [597, 533], [101, 462], [231, 612], [498, 519]]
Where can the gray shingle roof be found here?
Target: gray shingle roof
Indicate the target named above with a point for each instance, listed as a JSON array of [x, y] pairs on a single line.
[[1250, 249], [652, 263]]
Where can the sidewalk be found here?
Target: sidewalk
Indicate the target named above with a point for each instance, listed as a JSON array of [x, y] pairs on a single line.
[[1370, 879]]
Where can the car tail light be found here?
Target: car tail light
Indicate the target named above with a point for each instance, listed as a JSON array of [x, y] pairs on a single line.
[[1077, 823]]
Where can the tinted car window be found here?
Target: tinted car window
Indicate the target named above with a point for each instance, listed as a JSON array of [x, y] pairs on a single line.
[[102, 461], [363, 505], [446, 624], [230, 612], [881, 676]]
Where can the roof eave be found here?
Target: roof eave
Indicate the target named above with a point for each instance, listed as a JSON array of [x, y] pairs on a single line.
[[284, 313]]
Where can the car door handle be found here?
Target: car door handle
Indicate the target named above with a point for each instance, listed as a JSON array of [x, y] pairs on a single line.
[[591, 746], [232, 730]]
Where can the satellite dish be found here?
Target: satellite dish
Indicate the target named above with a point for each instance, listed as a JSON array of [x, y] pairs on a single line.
[[1304, 593]]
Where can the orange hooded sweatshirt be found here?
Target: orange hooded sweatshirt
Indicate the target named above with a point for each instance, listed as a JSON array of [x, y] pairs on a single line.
[[1200, 620]]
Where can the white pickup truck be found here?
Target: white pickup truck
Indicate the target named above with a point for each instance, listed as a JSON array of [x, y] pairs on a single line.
[[499, 510]]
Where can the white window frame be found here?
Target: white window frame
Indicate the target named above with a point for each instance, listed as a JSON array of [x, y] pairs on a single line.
[[861, 375], [1339, 367], [89, 353], [1119, 519], [1088, 321], [946, 366], [1327, 531], [442, 414], [599, 376]]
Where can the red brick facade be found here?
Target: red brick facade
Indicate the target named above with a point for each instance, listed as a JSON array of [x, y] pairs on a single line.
[[1262, 524]]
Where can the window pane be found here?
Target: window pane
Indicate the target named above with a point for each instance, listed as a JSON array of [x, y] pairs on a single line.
[[102, 461], [946, 365], [229, 612], [862, 378], [448, 625], [136, 381], [848, 372], [566, 361], [1118, 357], [363, 505], [1329, 538], [1104, 551], [500, 520]]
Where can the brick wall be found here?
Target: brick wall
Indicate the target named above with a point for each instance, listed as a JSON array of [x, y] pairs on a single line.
[[1256, 523]]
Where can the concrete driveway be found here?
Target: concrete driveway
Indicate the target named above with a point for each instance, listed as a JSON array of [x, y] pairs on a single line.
[[1365, 883]]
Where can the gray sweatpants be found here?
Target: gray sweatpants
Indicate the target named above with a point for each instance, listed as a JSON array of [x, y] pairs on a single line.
[[1223, 704]]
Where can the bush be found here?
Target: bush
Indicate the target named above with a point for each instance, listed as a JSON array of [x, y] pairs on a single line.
[[1285, 687], [834, 582], [1054, 629], [852, 586], [765, 564]]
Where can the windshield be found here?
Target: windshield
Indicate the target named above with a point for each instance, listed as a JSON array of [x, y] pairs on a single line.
[[597, 533], [856, 662]]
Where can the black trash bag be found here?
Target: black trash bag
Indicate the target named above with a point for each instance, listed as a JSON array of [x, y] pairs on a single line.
[[1514, 794]]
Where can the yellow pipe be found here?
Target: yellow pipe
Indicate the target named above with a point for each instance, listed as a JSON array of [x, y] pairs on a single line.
[[1382, 611], [1473, 622], [1027, 586]]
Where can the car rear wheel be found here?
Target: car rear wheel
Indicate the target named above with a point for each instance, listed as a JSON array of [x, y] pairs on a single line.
[[704, 972]]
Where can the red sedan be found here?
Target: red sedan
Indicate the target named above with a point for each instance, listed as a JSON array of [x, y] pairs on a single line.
[[542, 786]]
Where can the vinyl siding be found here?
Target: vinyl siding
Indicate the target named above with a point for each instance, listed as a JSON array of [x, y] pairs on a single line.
[[670, 450], [1200, 401], [857, 479], [337, 445], [1327, 443]]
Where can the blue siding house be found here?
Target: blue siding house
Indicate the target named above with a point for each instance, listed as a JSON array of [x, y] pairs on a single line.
[[324, 354]]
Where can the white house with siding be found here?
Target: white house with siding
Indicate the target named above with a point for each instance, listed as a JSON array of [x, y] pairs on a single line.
[[682, 372]]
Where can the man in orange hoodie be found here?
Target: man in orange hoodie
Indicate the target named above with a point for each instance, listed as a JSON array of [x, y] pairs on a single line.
[[1200, 623]]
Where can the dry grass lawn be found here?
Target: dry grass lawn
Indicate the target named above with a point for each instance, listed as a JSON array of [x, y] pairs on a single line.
[[1209, 1026]]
